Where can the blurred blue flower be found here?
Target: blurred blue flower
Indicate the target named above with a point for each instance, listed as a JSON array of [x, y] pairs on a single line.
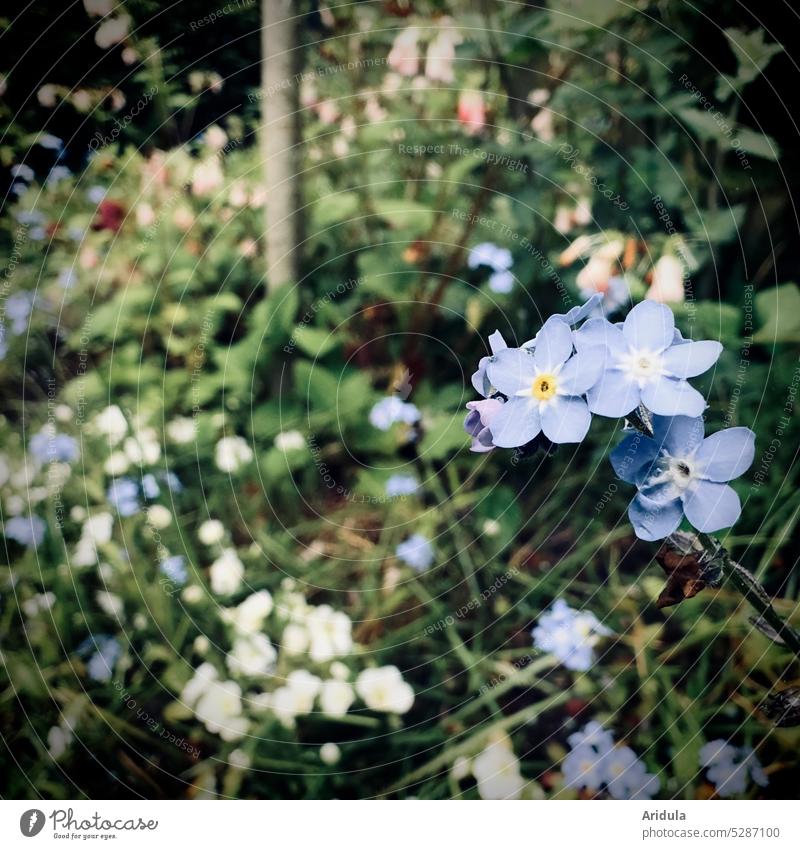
[[101, 664], [26, 530], [150, 486], [57, 174], [96, 193], [29, 217], [678, 473], [174, 568], [391, 409], [646, 364], [67, 278], [595, 762], [416, 551], [501, 282], [398, 485], [616, 295], [22, 172], [570, 635], [544, 388], [729, 767], [499, 260], [47, 446], [50, 142], [172, 481], [18, 309], [123, 496]]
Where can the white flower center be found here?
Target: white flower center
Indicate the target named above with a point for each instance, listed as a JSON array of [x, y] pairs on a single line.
[[678, 471], [642, 366]]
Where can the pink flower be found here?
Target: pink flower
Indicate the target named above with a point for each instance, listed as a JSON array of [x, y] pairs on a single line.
[[471, 111], [440, 56], [404, 55]]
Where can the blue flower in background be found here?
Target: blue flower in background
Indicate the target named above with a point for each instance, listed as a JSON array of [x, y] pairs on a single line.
[[96, 193], [416, 551], [172, 482], [22, 172], [67, 278], [544, 388], [57, 174], [499, 260], [729, 767], [175, 568], [392, 409], [594, 761], [123, 496], [26, 530], [47, 446], [49, 142], [570, 635], [150, 486], [646, 363], [107, 651], [398, 485], [678, 473], [18, 309]]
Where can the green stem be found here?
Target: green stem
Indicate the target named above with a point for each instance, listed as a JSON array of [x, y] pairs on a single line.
[[752, 590]]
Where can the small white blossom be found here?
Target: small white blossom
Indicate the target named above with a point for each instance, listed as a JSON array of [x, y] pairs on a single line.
[[329, 754], [290, 440], [496, 769], [383, 689], [231, 453], [226, 573], [252, 655], [211, 531], [159, 516], [181, 430], [336, 697], [249, 616]]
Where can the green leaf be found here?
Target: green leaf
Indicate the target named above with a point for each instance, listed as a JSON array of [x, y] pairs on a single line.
[[314, 341], [444, 437], [752, 53], [779, 310], [757, 143]]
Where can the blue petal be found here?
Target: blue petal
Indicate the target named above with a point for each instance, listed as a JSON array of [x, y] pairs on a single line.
[[581, 371], [496, 342], [598, 331], [679, 435], [576, 314], [565, 420], [613, 395], [633, 454], [511, 370], [727, 454], [480, 381], [669, 397], [516, 424], [553, 344], [688, 359], [501, 282], [649, 326], [652, 521], [711, 506]]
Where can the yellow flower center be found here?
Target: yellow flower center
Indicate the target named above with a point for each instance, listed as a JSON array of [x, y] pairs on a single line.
[[544, 387]]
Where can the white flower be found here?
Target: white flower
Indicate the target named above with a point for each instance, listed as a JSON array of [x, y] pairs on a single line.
[[143, 447], [41, 601], [207, 177], [159, 517], [383, 689], [296, 697], [211, 531], [329, 754], [231, 453], [181, 430], [290, 440], [336, 697], [226, 573], [215, 137], [116, 464], [330, 633], [112, 31], [295, 639], [99, 8], [252, 655], [239, 759], [110, 423], [201, 644], [667, 284], [96, 531], [192, 594], [496, 769], [109, 603], [58, 739], [249, 616], [339, 671], [220, 710]]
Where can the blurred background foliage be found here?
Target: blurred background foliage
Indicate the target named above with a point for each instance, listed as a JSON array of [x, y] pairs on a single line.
[[143, 268]]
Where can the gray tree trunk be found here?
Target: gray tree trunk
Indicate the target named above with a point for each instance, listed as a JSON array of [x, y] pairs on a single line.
[[280, 139]]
